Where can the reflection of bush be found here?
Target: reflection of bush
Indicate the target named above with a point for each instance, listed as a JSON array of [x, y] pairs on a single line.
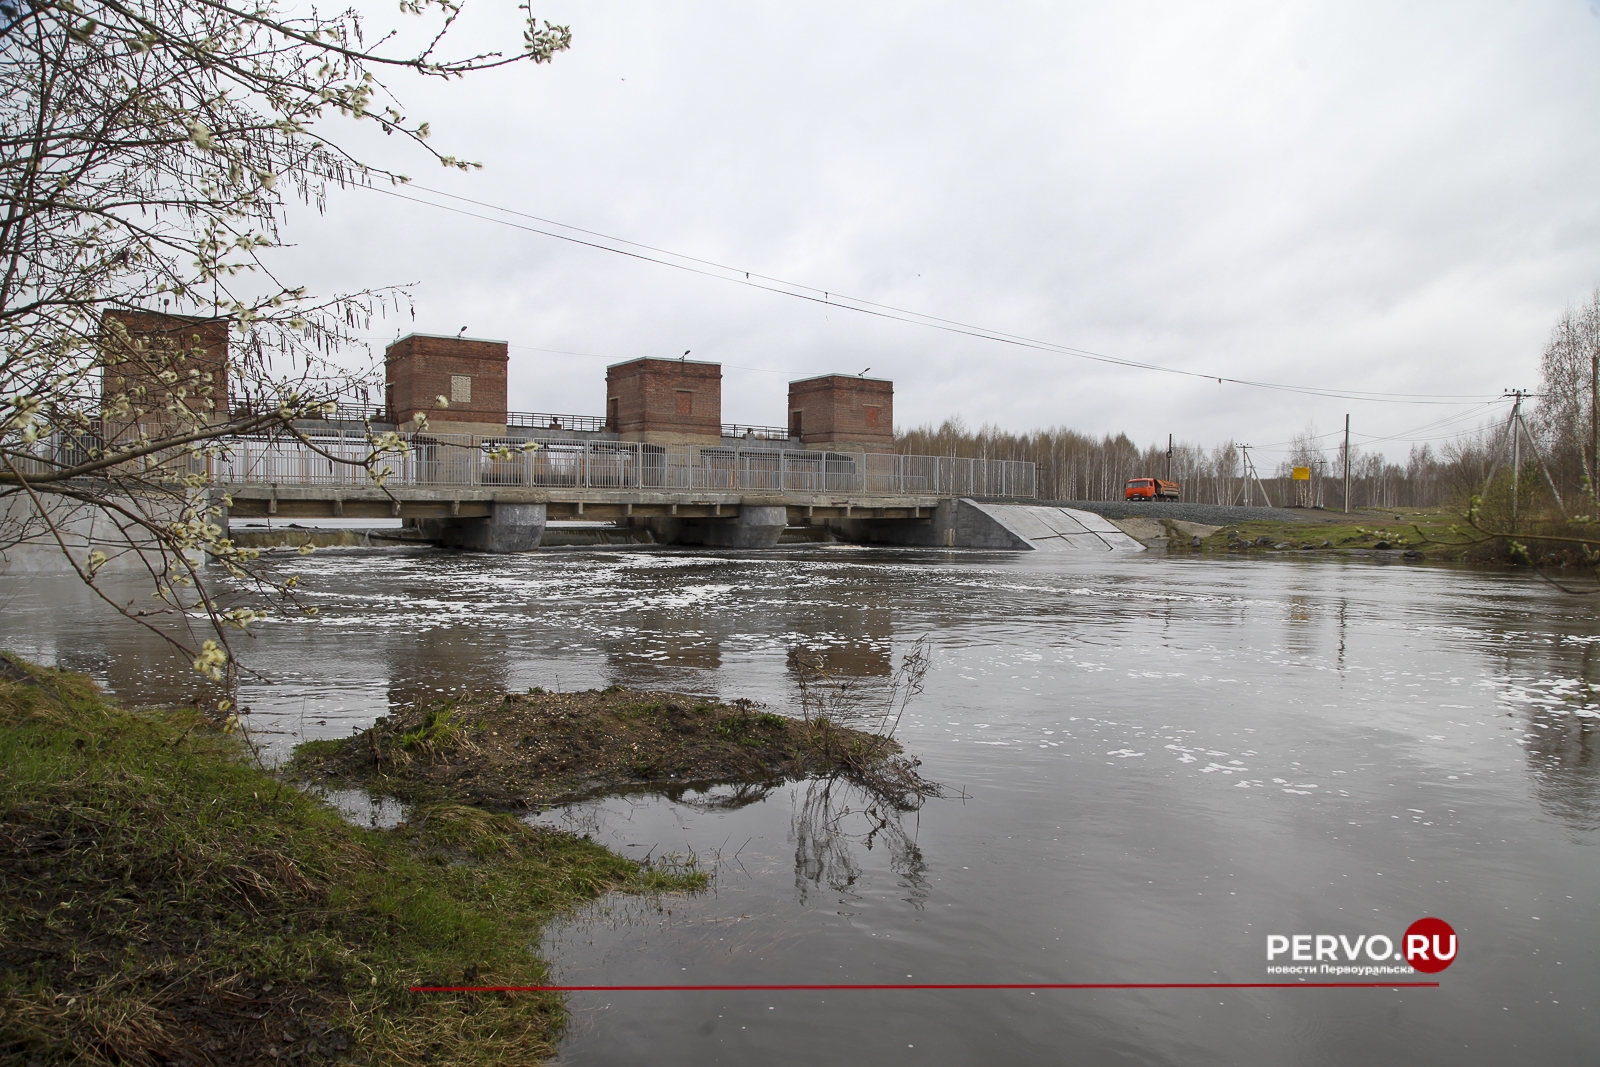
[[835, 817]]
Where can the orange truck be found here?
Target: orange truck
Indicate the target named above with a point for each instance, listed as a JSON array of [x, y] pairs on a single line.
[[1149, 489]]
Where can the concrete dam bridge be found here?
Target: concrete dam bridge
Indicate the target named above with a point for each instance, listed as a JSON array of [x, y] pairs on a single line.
[[459, 468], [496, 494]]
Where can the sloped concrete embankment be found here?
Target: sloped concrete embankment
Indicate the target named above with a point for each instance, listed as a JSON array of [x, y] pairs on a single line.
[[967, 523]]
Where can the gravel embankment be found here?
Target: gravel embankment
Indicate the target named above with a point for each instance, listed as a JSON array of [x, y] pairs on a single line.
[[1209, 514]]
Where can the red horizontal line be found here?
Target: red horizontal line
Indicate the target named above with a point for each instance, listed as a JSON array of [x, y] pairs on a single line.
[[930, 985]]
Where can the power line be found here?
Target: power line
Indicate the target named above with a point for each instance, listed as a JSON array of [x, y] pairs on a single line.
[[1408, 436], [1277, 447], [599, 355], [811, 294]]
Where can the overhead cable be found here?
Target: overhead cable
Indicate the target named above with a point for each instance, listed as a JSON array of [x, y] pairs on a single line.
[[811, 294]]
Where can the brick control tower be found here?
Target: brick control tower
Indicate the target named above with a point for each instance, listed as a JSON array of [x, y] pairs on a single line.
[[665, 401], [469, 373], [162, 364], [842, 413]]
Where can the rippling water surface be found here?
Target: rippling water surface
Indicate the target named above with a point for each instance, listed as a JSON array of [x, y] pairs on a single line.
[[1153, 764]]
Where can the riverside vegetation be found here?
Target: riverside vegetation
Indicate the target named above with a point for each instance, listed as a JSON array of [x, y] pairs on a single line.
[[1478, 530], [167, 902]]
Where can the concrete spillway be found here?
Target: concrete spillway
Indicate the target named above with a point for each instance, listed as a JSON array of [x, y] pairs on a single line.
[[967, 523], [1048, 529]]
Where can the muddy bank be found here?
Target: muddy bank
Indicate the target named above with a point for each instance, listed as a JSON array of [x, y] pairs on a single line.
[[537, 749]]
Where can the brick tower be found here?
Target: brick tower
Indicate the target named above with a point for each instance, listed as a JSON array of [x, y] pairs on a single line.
[[665, 401], [174, 368], [470, 374], [843, 413]]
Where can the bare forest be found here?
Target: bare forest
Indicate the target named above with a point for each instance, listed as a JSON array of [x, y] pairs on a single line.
[[1555, 452]]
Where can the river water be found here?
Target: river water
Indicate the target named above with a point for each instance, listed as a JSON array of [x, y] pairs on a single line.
[[1152, 765]]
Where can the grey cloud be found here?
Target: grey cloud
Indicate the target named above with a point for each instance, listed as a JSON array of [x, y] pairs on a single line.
[[1373, 197]]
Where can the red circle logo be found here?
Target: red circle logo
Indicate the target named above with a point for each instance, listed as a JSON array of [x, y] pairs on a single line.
[[1430, 945]]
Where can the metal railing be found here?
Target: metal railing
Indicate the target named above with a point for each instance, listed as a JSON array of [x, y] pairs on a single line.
[[544, 420], [754, 433], [461, 461], [60, 452], [347, 411]]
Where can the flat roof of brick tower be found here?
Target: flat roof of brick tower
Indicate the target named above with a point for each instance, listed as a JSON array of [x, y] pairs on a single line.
[[668, 360], [851, 377], [446, 337], [165, 316]]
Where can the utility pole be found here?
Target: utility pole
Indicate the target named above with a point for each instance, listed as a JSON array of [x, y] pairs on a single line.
[[1594, 419], [1516, 451], [1248, 493], [1347, 464]]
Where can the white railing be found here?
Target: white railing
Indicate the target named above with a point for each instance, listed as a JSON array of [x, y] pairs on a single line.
[[446, 460]]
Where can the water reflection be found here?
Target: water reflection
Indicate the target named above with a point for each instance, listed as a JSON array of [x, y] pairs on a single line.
[[650, 659], [726, 797], [1563, 753], [854, 642], [834, 820], [1150, 783], [1562, 734], [1302, 613], [843, 659], [425, 665]]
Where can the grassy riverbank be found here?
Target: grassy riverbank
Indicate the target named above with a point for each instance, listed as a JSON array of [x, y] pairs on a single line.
[[1412, 533], [1423, 533], [166, 902]]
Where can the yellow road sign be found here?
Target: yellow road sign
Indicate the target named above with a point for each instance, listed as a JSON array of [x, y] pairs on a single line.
[[1301, 474]]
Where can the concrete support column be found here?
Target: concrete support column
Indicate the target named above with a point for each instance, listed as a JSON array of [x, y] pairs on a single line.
[[756, 526], [939, 531], [218, 502], [665, 531], [509, 528]]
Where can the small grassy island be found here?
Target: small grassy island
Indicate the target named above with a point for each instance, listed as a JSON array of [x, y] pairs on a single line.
[[532, 750]]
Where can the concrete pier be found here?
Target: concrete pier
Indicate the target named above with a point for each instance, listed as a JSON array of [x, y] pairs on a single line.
[[756, 526], [508, 527], [748, 526]]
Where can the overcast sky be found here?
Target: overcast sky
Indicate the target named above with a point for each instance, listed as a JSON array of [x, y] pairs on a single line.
[[1382, 197]]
